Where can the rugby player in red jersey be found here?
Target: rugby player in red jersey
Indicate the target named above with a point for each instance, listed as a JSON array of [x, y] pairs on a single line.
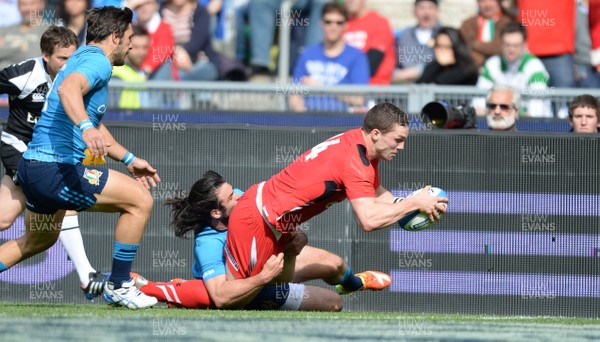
[[344, 166]]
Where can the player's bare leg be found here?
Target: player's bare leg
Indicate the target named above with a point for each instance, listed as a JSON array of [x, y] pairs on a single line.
[[41, 233], [320, 299], [124, 195], [13, 202], [315, 263]]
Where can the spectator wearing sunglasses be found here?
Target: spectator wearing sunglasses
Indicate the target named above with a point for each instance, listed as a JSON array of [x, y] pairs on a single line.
[[519, 69], [502, 108]]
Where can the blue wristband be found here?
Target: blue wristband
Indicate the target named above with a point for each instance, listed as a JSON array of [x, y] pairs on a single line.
[[85, 125], [128, 159]]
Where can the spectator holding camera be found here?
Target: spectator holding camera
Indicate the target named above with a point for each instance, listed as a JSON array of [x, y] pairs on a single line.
[[453, 64], [584, 115], [502, 108]]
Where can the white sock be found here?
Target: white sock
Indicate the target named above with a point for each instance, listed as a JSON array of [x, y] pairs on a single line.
[[70, 237]]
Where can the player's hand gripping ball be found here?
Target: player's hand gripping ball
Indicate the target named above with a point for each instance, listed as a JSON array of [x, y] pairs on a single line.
[[91, 160], [417, 220]]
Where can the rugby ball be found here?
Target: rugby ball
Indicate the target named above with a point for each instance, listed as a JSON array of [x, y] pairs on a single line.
[[416, 220]]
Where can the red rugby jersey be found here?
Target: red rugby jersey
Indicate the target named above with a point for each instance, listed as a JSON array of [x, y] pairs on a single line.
[[330, 172]]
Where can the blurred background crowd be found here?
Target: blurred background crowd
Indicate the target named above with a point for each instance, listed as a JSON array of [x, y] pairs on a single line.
[[530, 45]]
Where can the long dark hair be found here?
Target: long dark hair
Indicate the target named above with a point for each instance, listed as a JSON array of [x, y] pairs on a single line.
[[193, 211], [459, 48]]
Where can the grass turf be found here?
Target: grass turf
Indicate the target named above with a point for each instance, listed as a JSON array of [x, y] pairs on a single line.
[[83, 310], [27, 321]]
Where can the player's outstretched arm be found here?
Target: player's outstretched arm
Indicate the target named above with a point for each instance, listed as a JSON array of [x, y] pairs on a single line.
[[372, 215], [140, 169], [70, 92], [233, 294], [383, 195]]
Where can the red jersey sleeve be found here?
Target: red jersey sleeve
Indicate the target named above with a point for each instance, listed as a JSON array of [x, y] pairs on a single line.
[[359, 176]]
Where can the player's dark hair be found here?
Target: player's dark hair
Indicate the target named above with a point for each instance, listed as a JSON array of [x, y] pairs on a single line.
[[193, 211], [57, 36], [104, 21], [514, 27], [334, 7], [383, 116], [586, 101]]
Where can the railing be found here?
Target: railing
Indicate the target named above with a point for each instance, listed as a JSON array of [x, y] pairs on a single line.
[[235, 96]]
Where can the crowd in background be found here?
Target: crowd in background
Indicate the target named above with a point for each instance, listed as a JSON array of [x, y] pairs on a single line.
[[530, 45]]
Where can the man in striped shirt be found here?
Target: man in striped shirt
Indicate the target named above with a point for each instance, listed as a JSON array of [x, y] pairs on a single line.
[[518, 68]]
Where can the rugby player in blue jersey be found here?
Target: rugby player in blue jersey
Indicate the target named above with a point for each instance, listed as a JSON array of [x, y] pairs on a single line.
[[205, 212], [27, 83], [51, 172]]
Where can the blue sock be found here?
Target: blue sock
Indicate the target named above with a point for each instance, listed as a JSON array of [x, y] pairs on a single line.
[[2, 267], [351, 282], [123, 255]]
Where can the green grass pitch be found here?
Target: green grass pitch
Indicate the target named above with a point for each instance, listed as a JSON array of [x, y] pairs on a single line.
[[61, 322]]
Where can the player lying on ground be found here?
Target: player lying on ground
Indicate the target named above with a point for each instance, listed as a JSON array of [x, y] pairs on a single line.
[[27, 84], [51, 172], [205, 211], [344, 166]]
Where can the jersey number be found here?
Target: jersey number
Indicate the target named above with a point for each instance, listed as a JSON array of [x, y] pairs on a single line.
[[314, 152]]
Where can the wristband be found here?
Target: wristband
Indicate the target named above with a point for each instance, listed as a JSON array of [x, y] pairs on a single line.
[[128, 159], [397, 199], [85, 125]]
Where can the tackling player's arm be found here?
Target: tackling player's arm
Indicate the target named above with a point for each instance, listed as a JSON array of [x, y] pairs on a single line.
[[373, 215], [237, 293], [71, 91]]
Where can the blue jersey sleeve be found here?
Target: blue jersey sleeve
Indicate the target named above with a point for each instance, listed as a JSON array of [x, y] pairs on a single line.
[[208, 252], [96, 68]]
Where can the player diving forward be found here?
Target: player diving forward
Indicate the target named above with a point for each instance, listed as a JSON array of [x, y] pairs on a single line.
[[344, 166], [27, 84], [205, 211]]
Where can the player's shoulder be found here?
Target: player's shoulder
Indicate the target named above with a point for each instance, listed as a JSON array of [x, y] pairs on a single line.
[[22, 68], [208, 234], [90, 54], [356, 148]]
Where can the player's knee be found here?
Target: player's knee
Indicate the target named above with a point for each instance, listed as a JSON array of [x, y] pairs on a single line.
[[5, 224], [336, 303], [144, 203], [6, 221]]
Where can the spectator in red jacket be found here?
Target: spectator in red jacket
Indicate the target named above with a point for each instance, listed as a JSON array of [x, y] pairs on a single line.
[[595, 32], [372, 33], [159, 63], [551, 37]]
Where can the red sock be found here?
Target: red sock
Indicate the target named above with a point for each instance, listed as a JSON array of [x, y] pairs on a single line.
[[190, 294]]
